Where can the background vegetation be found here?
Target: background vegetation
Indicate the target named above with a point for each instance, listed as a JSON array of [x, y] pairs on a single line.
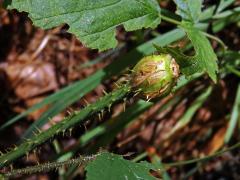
[[66, 104]]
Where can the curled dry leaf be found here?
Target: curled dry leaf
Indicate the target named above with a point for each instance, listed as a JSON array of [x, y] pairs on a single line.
[[31, 79]]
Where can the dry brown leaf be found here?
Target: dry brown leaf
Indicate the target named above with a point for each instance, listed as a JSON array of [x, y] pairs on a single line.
[[31, 79], [216, 142]]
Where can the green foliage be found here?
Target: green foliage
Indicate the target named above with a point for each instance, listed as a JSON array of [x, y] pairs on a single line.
[[85, 20], [189, 10], [234, 117], [106, 132], [204, 59], [225, 18], [224, 4], [111, 166], [93, 22]]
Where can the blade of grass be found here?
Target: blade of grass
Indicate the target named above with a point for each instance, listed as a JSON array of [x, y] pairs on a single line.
[[102, 57], [234, 117], [50, 99], [186, 118]]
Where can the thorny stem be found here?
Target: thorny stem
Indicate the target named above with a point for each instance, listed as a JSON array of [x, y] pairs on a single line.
[[83, 160], [69, 122], [46, 167]]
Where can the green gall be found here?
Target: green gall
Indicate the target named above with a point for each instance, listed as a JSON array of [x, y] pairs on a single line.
[[154, 76]]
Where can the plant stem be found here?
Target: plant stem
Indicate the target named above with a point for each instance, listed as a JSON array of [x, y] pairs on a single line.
[[140, 157], [67, 123], [219, 153], [46, 167], [233, 70], [178, 23], [173, 21], [216, 39]]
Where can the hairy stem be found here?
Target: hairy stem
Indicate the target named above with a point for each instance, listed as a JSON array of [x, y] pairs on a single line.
[[46, 167], [66, 123]]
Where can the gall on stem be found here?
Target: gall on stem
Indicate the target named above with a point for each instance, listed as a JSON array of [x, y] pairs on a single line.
[[155, 76]]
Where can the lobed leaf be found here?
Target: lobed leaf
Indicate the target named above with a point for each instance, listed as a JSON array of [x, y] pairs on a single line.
[[93, 22], [204, 60], [109, 166], [189, 10]]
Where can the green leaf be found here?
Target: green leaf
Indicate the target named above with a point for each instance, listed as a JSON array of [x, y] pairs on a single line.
[[224, 4], [109, 166], [234, 117], [189, 10], [93, 22], [225, 18], [207, 13], [204, 60]]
